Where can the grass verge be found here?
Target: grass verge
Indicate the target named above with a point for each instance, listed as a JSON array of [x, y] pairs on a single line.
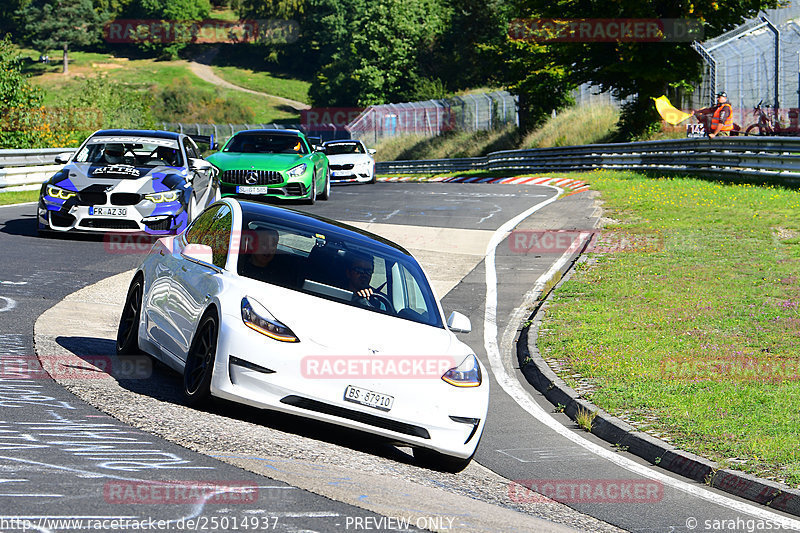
[[207, 103], [18, 197], [688, 325], [575, 126]]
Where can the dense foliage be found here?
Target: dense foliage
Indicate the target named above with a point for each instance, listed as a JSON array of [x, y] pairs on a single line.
[[360, 52]]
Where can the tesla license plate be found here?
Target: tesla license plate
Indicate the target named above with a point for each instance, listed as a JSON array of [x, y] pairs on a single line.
[[243, 189], [108, 211], [369, 398]]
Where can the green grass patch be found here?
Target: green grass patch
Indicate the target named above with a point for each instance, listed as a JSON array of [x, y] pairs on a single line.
[[688, 325], [18, 197], [575, 126], [587, 124], [265, 82], [205, 102]]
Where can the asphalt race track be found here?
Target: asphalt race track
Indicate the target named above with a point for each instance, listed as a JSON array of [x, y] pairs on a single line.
[[61, 457]]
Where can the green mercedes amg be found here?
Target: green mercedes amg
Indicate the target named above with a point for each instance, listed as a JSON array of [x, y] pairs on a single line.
[[272, 163]]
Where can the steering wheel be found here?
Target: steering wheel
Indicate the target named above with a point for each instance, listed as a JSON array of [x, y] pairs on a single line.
[[380, 298]]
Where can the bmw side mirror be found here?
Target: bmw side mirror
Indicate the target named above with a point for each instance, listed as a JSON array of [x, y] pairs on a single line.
[[459, 323], [199, 164], [201, 253], [63, 158]]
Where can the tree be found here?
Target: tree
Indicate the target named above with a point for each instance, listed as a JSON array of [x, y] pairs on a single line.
[[51, 24], [20, 103], [465, 54], [381, 61], [640, 70]]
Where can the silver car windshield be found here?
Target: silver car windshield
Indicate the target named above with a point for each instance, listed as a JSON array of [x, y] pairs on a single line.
[[336, 268]]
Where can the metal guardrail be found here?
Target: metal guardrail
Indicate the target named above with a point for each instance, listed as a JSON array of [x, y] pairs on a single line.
[[28, 169], [773, 158]]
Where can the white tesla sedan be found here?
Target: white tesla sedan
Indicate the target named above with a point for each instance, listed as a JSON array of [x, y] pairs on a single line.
[[283, 310], [350, 160]]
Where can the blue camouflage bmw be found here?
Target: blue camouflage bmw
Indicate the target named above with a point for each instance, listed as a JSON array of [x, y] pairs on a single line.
[[136, 181]]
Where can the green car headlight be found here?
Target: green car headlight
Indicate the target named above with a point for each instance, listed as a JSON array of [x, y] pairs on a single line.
[[297, 171], [256, 317], [162, 197], [58, 192]]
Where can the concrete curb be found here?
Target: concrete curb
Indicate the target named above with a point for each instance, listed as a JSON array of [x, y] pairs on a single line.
[[618, 432]]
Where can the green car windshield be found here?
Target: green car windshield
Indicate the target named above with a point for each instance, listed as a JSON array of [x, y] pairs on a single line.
[[266, 143]]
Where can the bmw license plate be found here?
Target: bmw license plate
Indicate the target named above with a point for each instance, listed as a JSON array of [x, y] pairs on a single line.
[[108, 211], [369, 398], [244, 189]]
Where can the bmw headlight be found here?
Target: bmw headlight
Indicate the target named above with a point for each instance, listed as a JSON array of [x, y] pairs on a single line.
[[256, 317], [162, 197], [297, 171], [60, 193], [467, 374]]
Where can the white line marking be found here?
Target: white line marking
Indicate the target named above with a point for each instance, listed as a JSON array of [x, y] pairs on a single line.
[[512, 387], [17, 205], [31, 495], [9, 304], [13, 282]]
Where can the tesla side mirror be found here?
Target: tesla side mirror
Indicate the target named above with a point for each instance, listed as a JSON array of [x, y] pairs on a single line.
[[63, 158], [199, 164], [459, 323], [214, 146], [199, 252], [371, 151]]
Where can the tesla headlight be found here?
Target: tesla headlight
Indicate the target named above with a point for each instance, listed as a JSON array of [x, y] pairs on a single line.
[[58, 192], [467, 374], [256, 317], [297, 171], [162, 197]]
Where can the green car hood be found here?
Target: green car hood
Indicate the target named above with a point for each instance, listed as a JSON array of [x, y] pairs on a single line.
[[246, 161]]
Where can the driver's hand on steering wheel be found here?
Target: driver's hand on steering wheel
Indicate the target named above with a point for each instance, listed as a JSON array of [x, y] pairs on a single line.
[[365, 293]]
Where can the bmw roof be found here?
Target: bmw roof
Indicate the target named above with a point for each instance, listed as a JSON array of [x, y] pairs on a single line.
[[158, 134]]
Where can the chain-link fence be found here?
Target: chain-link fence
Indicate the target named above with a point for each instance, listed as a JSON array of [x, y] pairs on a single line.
[[758, 61], [220, 132], [469, 112]]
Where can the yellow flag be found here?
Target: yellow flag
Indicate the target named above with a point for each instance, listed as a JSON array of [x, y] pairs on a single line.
[[668, 112]]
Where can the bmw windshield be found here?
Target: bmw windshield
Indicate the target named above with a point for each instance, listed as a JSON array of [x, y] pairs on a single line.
[[132, 151]]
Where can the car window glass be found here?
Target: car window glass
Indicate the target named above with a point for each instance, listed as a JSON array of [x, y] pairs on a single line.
[[130, 151], [190, 150], [344, 148], [251, 143], [213, 228], [338, 268]]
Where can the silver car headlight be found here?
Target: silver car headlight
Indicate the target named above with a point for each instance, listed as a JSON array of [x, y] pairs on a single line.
[[162, 197], [256, 317], [297, 171], [467, 374], [58, 192]]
